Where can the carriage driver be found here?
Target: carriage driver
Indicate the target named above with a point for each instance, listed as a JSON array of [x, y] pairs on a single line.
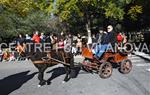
[[110, 38]]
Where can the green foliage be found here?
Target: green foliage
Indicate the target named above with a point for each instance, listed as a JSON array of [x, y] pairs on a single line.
[[45, 5], [26, 16], [134, 11], [113, 11], [12, 24], [65, 8], [7, 27], [21, 7]]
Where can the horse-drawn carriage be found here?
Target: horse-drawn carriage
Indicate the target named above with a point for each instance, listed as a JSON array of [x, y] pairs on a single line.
[[108, 61], [104, 66]]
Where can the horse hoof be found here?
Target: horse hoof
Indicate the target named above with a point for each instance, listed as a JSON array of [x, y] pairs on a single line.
[[39, 86], [48, 83], [63, 82]]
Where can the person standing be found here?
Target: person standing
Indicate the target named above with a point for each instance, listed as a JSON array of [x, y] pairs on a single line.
[[42, 37], [119, 38], [68, 49], [20, 39], [79, 44], [54, 41], [28, 38], [36, 37], [68, 43], [61, 43]]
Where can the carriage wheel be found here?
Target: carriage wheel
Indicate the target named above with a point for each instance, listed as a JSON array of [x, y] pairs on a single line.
[[105, 70], [85, 68], [125, 66]]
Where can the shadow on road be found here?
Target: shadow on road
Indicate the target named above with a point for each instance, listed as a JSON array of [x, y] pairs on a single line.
[[14, 82], [56, 72]]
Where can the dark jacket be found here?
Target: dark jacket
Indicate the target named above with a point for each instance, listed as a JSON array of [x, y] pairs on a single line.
[[20, 40], [110, 38], [100, 37]]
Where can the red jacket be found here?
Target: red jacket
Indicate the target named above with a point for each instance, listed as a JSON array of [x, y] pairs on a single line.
[[36, 38], [61, 44], [119, 38]]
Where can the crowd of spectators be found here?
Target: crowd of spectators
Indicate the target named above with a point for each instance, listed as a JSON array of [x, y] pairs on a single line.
[[56, 41]]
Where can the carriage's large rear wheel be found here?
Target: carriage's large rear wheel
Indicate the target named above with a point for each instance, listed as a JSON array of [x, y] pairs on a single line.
[[125, 66], [105, 70]]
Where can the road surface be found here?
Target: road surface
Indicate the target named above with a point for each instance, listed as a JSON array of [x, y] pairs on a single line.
[[20, 78]]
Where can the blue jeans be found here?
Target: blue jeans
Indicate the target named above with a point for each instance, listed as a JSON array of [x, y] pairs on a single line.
[[100, 49]]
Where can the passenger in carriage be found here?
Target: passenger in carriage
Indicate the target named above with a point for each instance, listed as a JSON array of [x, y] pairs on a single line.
[[109, 38], [100, 36]]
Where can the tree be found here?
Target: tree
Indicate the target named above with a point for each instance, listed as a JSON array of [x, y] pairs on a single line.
[[21, 7], [88, 12], [25, 16]]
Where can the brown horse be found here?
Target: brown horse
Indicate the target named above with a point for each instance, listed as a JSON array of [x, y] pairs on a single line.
[[42, 60]]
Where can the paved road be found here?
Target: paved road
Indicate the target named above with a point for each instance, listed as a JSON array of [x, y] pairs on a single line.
[[20, 78]]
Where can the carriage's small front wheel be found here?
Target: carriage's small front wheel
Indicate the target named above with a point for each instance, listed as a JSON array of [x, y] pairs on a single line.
[[85, 65], [125, 66], [105, 70]]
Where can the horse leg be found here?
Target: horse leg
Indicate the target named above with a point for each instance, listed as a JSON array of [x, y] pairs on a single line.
[[72, 72], [40, 77], [41, 68], [67, 69]]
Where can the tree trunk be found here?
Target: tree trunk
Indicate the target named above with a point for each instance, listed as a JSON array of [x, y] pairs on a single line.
[[89, 32]]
